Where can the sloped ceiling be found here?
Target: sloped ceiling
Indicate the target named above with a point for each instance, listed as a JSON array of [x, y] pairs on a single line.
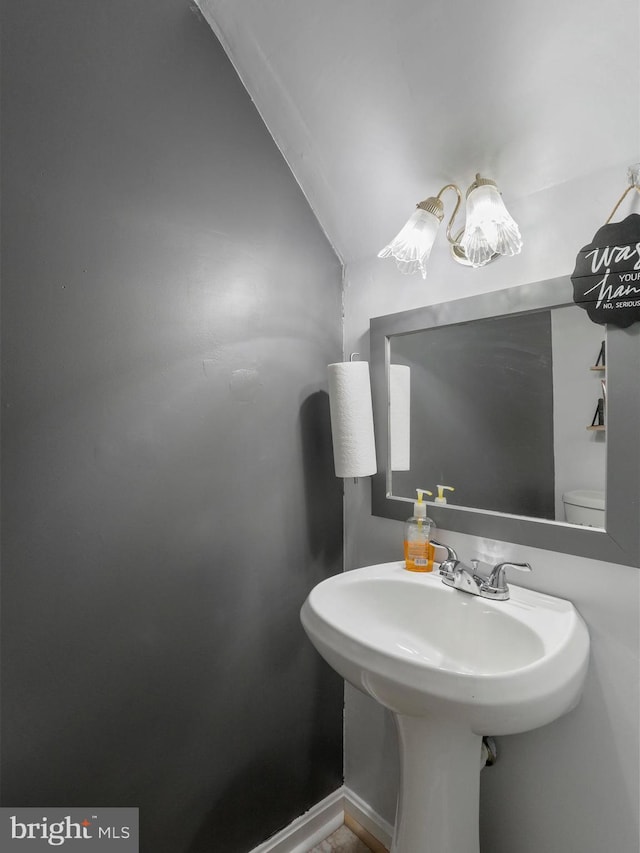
[[376, 104]]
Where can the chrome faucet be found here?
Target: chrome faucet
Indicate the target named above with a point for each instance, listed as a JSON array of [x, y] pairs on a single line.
[[468, 579]]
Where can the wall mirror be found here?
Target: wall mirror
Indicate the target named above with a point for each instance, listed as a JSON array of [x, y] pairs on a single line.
[[516, 399]]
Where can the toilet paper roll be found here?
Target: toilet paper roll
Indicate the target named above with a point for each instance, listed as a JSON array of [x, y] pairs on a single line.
[[354, 449], [400, 416]]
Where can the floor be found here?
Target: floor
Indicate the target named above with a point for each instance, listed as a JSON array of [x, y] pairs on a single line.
[[342, 841]]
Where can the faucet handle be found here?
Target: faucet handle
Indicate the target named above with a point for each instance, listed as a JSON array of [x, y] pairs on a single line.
[[451, 554], [497, 580], [448, 565]]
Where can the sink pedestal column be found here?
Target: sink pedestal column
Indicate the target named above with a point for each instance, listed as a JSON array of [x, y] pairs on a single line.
[[438, 800]]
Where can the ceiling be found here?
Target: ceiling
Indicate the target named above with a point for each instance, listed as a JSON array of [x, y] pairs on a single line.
[[376, 104]]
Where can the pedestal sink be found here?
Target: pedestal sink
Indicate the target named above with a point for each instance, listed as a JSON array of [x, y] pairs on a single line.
[[452, 667]]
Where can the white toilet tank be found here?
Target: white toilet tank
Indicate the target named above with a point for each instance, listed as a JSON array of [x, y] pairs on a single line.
[[584, 506]]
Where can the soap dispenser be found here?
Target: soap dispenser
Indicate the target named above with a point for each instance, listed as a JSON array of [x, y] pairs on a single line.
[[440, 499], [418, 550]]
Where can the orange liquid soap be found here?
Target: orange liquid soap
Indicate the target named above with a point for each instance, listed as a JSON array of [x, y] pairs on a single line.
[[419, 556]]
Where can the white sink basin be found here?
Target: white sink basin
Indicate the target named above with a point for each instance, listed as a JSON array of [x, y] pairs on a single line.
[[452, 667], [418, 646]]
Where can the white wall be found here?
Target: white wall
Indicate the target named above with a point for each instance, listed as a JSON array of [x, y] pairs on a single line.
[[376, 104], [572, 785], [580, 461]]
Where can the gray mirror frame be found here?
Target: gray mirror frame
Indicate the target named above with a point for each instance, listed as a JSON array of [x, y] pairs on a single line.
[[620, 542]]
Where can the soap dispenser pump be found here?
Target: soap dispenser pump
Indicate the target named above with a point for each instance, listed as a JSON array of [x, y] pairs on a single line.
[[440, 499], [418, 550]]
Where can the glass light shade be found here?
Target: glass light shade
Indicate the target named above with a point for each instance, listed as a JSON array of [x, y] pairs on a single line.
[[489, 228], [412, 245]]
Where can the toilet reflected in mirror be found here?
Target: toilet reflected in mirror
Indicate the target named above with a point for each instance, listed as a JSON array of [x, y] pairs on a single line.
[[584, 506]]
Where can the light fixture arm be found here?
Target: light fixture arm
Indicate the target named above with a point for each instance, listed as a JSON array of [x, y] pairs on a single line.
[[453, 240]]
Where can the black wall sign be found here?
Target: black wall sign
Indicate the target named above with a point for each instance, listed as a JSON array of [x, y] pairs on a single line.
[[606, 280]]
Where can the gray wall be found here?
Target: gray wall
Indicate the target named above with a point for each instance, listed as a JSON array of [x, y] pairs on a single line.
[[169, 307]]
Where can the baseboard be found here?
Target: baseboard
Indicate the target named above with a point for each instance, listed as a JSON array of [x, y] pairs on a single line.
[[311, 828], [362, 813]]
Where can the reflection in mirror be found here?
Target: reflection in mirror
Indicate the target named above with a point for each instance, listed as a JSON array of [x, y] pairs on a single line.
[[515, 437], [500, 408]]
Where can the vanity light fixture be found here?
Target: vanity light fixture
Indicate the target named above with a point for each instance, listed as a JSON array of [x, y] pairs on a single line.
[[489, 230]]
